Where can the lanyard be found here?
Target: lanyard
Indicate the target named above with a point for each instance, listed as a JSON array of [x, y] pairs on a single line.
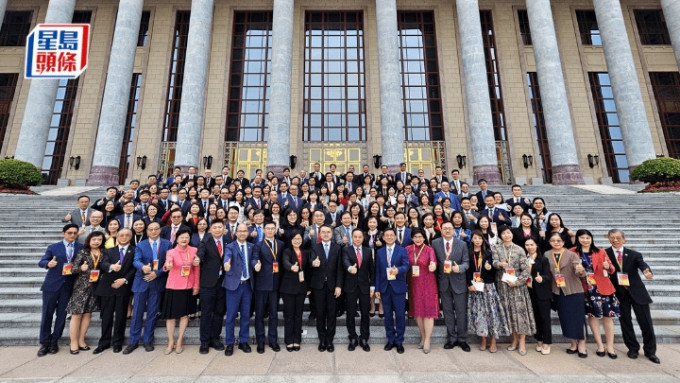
[[478, 261], [415, 257], [557, 263], [95, 261], [266, 241]]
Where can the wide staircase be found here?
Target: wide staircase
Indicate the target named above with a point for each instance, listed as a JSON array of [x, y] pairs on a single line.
[[28, 224]]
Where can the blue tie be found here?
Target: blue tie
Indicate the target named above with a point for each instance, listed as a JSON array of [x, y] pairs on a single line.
[[259, 234], [325, 249], [244, 272], [155, 250], [69, 252], [121, 255], [389, 256]]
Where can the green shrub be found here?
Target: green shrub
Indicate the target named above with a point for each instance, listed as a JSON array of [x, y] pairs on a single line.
[[19, 174], [663, 169]]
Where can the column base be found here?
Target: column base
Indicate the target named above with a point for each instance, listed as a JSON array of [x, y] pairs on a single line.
[[103, 176], [392, 169], [567, 175], [276, 169], [490, 173], [185, 168]]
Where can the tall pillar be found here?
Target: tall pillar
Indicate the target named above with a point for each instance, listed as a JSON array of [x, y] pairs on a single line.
[[3, 8], [637, 137], [111, 130], [35, 125], [192, 104], [563, 153], [671, 11], [391, 106], [278, 142], [477, 103]]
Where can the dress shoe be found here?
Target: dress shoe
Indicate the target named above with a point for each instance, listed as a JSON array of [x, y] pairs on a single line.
[[371, 314], [448, 345], [400, 348], [612, 356], [168, 350], [339, 314], [364, 345], [99, 350], [296, 348], [148, 347], [571, 352], [245, 347], [217, 345], [290, 348], [381, 315], [389, 346], [204, 349], [582, 355], [129, 349], [653, 358], [322, 347], [260, 348], [632, 354], [44, 349], [54, 348], [117, 349], [464, 346], [351, 346], [275, 347], [86, 348], [74, 352], [601, 354], [330, 348], [229, 351]]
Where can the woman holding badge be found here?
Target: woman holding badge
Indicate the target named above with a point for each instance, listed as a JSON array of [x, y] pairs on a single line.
[[422, 282]]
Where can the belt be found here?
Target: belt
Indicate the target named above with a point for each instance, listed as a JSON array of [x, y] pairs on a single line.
[[244, 282]]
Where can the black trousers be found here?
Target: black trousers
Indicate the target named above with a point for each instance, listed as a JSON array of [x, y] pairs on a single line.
[[542, 317], [364, 307], [213, 308], [644, 319], [292, 317], [324, 299], [266, 302], [114, 316]]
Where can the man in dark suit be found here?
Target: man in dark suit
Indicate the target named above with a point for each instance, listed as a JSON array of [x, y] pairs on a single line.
[[267, 254], [294, 201], [149, 285], [113, 289], [326, 284], [403, 232], [177, 223], [403, 175], [496, 215], [517, 198], [482, 193], [453, 254], [439, 175], [222, 200], [384, 174], [129, 215], [447, 193], [391, 266], [635, 296], [163, 202], [255, 202], [57, 287], [111, 195], [239, 283], [333, 216], [212, 294], [182, 201], [357, 261], [241, 177]]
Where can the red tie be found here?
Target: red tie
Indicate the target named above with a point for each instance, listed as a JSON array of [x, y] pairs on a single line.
[[619, 257], [448, 247], [219, 248], [358, 257], [318, 237]]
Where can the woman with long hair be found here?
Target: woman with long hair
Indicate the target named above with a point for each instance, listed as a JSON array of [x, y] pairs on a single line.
[[527, 230], [540, 291], [111, 231], [556, 225], [295, 262], [138, 231], [373, 239], [459, 230], [422, 282]]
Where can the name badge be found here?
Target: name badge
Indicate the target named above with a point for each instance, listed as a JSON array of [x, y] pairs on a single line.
[[186, 269], [529, 281], [94, 275], [447, 266], [479, 286], [477, 276], [67, 269], [591, 279], [390, 274], [301, 276], [275, 267], [510, 271], [623, 279], [560, 281], [155, 264], [415, 270]]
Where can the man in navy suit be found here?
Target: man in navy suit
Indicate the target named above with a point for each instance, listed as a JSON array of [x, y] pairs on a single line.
[[517, 198], [129, 216], [294, 201], [56, 288], [403, 175], [391, 266], [149, 284], [255, 202], [447, 193], [239, 283], [267, 254], [634, 296], [212, 295], [496, 215], [403, 232]]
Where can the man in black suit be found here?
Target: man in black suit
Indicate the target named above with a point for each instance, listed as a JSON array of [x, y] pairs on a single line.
[[267, 254], [333, 215], [403, 175], [111, 195], [182, 201], [213, 304], [113, 288], [482, 193], [326, 283], [129, 215], [496, 215], [357, 261], [635, 296], [177, 219], [517, 198]]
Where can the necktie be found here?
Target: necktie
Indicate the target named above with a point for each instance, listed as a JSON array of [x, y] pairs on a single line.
[[347, 231], [69, 252], [155, 250], [205, 206], [172, 235], [448, 246], [619, 258], [389, 256], [143, 209], [401, 236], [128, 222], [325, 249], [318, 237], [219, 247], [83, 214], [166, 204], [259, 234], [358, 258], [258, 203], [121, 255], [244, 270], [232, 231], [491, 214], [370, 241]]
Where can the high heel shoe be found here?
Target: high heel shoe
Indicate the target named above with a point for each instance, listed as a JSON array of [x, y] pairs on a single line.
[[169, 350], [290, 348], [601, 354], [381, 315], [74, 352], [371, 314], [86, 348]]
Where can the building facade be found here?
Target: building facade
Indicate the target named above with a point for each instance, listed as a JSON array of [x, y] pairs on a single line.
[[514, 91]]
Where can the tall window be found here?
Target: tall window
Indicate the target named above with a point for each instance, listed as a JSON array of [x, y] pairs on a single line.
[[15, 28], [610, 128], [8, 83], [495, 91], [587, 27], [651, 26], [666, 87], [334, 94], [143, 37], [524, 28], [249, 80], [539, 125], [60, 126], [130, 125], [176, 77], [420, 77], [82, 17]]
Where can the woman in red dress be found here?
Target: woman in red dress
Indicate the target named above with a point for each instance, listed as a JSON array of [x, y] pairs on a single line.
[[422, 282]]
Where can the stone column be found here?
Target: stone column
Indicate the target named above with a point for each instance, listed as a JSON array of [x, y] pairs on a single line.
[[35, 125], [192, 104], [671, 11], [563, 153], [111, 129], [3, 8], [637, 137], [278, 141], [476, 86], [391, 105]]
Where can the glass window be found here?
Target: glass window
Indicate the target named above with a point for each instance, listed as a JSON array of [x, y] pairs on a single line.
[[59, 131], [143, 37], [588, 29], [666, 87], [176, 76], [8, 83], [130, 125], [524, 28], [15, 27], [495, 92], [539, 126], [652, 27]]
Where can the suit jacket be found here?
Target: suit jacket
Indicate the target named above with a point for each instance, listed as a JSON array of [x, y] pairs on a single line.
[[290, 281], [211, 262], [459, 254], [405, 180], [54, 281], [406, 237], [541, 265], [166, 231], [311, 239], [144, 256], [330, 270], [252, 203], [496, 214], [340, 232], [232, 278], [400, 261], [480, 199], [266, 279], [111, 257], [523, 201], [88, 230], [121, 218], [228, 233], [78, 220], [632, 262], [440, 179], [180, 257], [363, 279]]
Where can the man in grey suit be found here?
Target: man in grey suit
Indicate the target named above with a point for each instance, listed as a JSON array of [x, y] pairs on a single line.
[[95, 220], [81, 215], [452, 263], [342, 235]]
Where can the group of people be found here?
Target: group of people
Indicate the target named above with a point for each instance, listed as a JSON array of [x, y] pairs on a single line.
[[395, 245]]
